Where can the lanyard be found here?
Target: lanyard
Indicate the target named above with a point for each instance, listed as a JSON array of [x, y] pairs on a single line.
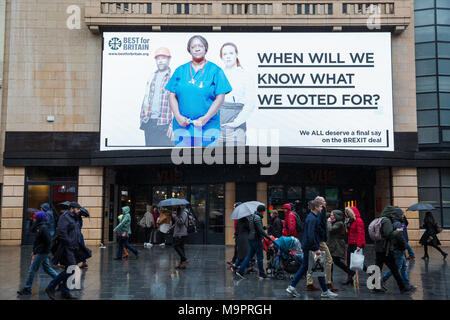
[[192, 77]]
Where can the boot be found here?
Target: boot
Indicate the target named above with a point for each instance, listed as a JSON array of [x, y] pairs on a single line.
[[332, 288], [425, 257], [312, 287]]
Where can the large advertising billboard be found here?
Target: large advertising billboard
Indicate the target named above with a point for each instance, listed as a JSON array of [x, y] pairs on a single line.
[[309, 90]]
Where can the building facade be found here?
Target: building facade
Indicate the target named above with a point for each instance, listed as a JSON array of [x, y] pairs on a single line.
[[50, 118]]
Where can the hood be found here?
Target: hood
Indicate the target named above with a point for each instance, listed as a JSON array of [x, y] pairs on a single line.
[[398, 214], [126, 210], [40, 216], [356, 212], [339, 215], [287, 206], [388, 211], [349, 211], [45, 206]]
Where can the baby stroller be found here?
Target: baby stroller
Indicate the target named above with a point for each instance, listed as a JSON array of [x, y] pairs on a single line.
[[284, 257]]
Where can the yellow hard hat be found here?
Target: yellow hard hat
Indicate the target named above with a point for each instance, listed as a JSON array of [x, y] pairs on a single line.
[[162, 52]]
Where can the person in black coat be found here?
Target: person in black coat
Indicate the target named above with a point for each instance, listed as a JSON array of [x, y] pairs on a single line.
[[41, 250], [242, 231], [429, 238], [68, 250], [276, 227]]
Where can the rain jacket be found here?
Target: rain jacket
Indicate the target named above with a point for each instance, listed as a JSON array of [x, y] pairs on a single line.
[[256, 228], [400, 241], [356, 234], [289, 229], [388, 232], [336, 238], [51, 219], [43, 240], [125, 223]]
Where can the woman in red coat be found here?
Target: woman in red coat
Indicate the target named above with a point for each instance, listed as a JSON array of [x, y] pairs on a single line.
[[356, 235]]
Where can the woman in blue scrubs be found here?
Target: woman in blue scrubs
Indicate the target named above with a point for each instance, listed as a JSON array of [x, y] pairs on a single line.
[[197, 90]]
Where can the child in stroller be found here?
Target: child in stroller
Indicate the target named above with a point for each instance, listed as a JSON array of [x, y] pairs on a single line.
[[284, 256]]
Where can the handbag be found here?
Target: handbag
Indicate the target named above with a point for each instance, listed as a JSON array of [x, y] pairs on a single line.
[[438, 228], [357, 260], [124, 235], [317, 264]]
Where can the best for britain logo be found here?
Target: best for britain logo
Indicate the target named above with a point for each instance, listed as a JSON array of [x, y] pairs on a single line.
[[115, 43]]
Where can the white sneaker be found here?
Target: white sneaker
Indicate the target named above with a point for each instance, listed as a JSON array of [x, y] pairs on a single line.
[[162, 244], [149, 245], [291, 290], [145, 244], [328, 294]]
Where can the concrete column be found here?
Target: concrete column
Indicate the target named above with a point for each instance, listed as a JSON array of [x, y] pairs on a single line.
[[230, 199], [90, 192], [12, 206]]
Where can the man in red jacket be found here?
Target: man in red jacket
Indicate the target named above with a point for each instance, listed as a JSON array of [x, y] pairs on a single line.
[[289, 229]]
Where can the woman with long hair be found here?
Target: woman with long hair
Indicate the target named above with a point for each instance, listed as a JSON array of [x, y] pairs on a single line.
[[236, 107], [429, 237]]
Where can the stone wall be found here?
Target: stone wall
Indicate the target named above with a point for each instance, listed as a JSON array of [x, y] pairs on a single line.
[[12, 206]]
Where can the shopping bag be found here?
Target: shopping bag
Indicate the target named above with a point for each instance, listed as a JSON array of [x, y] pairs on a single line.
[[317, 264], [357, 260]]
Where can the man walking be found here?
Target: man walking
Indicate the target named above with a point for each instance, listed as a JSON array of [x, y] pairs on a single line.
[[311, 242], [255, 243], [323, 236], [384, 248], [156, 116], [41, 250], [70, 250]]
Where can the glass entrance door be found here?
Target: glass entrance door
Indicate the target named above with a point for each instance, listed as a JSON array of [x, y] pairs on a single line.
[[36, 196]]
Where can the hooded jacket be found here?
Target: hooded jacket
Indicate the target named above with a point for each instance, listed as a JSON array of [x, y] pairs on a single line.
[[256, 227], [336, 237], [400, 241], [387, 230], [51, 219], [125, 223], [356, 234], [43, 240], [289, 229]]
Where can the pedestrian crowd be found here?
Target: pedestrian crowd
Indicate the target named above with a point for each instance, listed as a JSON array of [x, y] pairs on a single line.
[[326, 239], [293, 240]]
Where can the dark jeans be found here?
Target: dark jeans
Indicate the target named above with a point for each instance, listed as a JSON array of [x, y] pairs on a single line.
[[389, 260], [178, 245], [338, 261], [148, 234], [156, 136], [256, 247], [123, 242], [400, 261], [301, 272], [60, 279]]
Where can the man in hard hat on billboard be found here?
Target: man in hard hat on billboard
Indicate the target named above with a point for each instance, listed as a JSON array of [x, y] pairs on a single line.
[[156, 116]]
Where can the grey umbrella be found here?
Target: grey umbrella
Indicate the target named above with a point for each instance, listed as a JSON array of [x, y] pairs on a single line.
[[172, 202], [420, 206], [245, 209]]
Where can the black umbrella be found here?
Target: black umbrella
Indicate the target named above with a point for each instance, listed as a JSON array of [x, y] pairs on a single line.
[[84, 212], [420, 206], [65, 204]]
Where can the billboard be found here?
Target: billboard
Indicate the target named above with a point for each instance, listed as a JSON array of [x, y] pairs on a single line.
[[309, 90]]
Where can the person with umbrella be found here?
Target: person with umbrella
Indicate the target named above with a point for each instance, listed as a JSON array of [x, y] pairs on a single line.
[[180, 218], [429, 237], [241, 240], [255, 242]]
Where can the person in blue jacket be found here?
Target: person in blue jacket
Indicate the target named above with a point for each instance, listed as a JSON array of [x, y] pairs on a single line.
[[197, 90], [310, 242]]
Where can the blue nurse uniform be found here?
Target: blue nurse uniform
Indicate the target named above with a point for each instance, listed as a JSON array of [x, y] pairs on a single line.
[[195, 99]]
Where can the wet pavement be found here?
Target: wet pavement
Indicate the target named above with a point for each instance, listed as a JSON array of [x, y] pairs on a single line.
[[153, 276]]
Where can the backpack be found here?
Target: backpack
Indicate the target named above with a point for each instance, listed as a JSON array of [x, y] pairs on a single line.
[[191, 222], [375, 229]]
